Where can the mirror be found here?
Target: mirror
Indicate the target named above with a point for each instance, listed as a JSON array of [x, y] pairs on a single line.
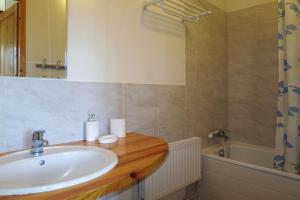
[[33, 38]]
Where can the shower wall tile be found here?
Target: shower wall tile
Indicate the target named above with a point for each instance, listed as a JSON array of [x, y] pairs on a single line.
[[206, 73], [253, 74], [156, 110], [172, 112]]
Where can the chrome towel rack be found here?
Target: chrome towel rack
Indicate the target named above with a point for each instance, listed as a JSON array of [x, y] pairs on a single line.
[[182, 9]]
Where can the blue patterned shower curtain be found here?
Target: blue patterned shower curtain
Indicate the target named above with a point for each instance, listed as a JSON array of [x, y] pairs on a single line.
[[287, 149]]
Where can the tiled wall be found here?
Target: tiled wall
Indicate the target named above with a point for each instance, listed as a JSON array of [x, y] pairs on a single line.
[[156, 110], [253, 74], [61, 107], [232, 73], [206, 73]]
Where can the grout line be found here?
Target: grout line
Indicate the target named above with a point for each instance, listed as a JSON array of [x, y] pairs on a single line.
[[186, 134], [158, 109], [123, 101]]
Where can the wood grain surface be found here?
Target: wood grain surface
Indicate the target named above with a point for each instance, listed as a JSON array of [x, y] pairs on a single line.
[[138, 155]]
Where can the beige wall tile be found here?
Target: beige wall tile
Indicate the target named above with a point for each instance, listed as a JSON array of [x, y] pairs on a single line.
[[206, 73], [157, 110], [253, 74], [140, 108], [172, 112]]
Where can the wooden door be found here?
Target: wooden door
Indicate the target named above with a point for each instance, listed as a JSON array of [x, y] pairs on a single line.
[[9, 42]]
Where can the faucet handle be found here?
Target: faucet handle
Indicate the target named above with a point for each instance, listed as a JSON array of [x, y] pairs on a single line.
[[224, 131], [219, 133], [38, 135], [46, 142]]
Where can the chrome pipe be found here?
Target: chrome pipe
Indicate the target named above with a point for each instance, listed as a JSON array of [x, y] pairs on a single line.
[[175, 8], [179, 5]]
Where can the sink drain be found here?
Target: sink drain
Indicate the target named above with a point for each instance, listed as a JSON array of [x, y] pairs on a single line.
[[42, 162]]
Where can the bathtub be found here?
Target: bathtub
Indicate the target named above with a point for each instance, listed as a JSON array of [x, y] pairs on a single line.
[[246, 175]]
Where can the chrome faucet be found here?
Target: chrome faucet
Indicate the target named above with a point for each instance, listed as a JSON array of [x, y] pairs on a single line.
[[225, 152], [38, 143], [220, 133]]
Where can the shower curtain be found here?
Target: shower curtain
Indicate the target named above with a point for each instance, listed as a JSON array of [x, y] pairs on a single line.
[[287, 149]]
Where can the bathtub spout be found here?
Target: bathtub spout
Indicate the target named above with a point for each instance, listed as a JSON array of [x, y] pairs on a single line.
[[219, 133], [222, 134]]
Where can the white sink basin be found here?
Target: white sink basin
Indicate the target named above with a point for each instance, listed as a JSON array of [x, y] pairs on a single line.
[[58, 167]]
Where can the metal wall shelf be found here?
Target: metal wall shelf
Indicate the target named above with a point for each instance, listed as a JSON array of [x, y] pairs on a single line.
[[181, 9]]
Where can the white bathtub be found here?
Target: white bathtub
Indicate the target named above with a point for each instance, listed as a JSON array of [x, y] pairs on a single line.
[[246, 175]]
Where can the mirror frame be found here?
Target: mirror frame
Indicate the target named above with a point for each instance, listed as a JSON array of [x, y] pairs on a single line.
[[21, 52]]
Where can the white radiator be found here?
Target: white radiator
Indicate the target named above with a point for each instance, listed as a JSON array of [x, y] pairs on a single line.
[[181, 168]]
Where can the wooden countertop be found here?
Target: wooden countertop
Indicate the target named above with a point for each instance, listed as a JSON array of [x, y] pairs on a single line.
[[139, 156]]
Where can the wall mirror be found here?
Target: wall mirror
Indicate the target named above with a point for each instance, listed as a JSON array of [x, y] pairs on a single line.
[[33, 38]]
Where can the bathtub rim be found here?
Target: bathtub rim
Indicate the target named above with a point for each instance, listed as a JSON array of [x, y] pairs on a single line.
[[208, 152]]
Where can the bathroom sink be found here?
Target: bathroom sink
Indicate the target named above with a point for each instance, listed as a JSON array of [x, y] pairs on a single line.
[[58, 167]]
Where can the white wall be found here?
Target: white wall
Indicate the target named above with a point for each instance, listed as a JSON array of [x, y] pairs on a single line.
[[2, 5], [219, 3], [5, 4], [234, 5], [114, 41], [9, 3]]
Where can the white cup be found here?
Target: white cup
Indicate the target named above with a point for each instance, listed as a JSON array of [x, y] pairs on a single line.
[[118, 127]]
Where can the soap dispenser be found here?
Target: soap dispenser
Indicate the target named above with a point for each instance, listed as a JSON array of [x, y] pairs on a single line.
[[92, 128]]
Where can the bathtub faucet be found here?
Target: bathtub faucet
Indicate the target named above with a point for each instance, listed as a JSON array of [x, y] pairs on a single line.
[[220, 133], [225, 151]]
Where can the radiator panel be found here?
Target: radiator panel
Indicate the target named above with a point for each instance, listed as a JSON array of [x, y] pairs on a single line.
[[181, 168]]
